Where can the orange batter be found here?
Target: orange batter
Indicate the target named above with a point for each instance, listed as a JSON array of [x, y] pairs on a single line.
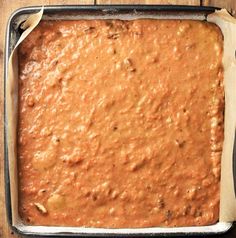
[[120, 123]]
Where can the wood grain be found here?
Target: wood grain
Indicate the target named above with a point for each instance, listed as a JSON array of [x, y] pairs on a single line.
[[7, 7], [177, 2], [230, 5]]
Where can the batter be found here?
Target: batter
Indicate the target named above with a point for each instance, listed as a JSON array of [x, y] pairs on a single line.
[[120, 123]]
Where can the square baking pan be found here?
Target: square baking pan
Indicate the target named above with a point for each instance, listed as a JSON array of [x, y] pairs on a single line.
[[96, 12]]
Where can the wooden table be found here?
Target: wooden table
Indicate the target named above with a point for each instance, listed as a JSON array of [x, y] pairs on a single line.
[[8, 6]]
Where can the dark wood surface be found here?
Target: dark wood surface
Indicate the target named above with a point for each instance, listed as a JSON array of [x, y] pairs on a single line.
[[8, 6]]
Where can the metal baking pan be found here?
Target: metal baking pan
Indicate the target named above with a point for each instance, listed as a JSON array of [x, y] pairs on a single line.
[[90, 12]]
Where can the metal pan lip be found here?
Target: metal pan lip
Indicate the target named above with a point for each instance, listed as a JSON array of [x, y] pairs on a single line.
[[103, 232], [115, 8], [53, 9]]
